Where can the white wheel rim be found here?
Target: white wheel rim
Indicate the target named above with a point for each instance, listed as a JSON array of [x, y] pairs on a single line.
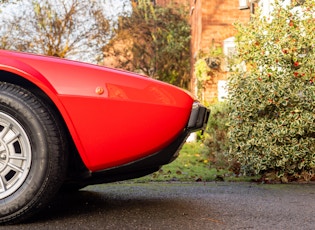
[[15, 155]]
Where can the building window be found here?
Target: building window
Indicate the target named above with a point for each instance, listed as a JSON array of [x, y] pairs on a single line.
[[229, 50]]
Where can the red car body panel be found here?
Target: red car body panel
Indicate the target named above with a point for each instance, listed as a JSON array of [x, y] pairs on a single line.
[[114, 117]]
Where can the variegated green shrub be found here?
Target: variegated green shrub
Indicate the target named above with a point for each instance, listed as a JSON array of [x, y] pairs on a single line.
[[272, 93]]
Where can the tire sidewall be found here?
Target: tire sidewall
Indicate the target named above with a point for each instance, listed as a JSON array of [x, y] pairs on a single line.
[[27, 194]]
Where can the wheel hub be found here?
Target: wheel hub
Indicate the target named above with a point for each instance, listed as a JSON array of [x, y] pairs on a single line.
[[3, 156], [15, 155]]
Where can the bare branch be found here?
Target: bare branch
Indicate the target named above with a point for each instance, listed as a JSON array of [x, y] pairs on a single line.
[[63, 28]]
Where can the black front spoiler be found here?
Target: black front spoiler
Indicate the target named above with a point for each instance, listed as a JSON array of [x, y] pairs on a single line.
[[198, 119]]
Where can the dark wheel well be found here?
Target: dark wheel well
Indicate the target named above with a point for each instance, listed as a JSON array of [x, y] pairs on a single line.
[[76, 167], [22, 82]]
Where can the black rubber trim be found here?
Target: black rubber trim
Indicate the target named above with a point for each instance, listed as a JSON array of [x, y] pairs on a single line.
[[198, 118]]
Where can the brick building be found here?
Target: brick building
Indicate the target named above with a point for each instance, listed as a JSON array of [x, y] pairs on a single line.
[[213, 21], [212, 24]]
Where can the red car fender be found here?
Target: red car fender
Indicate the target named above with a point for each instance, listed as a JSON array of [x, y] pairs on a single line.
[[29, 73], [114, 117]]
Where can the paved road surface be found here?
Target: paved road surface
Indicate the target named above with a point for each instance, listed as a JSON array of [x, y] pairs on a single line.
[[181, 206]]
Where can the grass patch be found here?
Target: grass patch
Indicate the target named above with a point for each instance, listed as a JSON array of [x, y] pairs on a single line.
[[191, 165]]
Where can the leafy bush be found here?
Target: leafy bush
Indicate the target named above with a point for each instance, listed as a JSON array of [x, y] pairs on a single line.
[[272, 128], [215, 136], [206, 67]]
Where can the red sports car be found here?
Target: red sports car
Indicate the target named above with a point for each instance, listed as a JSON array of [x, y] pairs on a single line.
[[70, 124]]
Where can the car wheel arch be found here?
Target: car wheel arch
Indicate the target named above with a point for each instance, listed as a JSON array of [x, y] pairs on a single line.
[[73, 140]]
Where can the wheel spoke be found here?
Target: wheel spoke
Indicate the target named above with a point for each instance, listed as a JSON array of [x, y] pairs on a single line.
[[2, 185], [5, 131], [12, 138], [15, 167], [17, 158], [15, 155]]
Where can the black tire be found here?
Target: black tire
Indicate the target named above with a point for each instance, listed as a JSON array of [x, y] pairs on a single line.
[[32, 154]]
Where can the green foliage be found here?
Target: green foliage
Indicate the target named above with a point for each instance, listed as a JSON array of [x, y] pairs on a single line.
[[160, 42], [206, 66], [272, 93], [208, 63], [216, 143], [202, 70]]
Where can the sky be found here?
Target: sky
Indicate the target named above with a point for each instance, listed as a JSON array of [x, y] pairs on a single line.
[[112, 8]]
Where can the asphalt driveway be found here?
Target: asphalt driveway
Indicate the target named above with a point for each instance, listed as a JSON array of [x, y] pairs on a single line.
[[181, 206]]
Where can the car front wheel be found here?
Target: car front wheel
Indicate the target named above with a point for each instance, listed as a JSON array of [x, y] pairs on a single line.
[[32, 153]]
